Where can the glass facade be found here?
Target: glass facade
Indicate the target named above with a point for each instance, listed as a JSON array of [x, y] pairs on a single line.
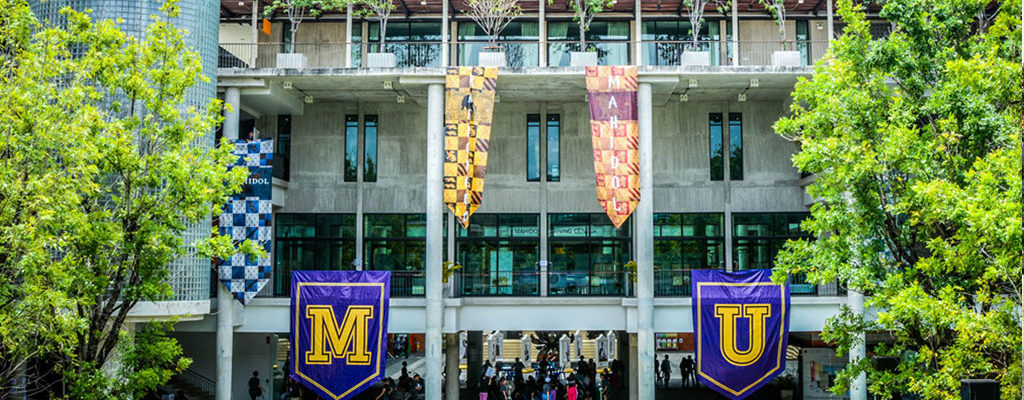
[[665, 41], [717, 164], [311, 242], [283, 147], [351, 147], [369, 148], [519, 41], [610, 39], [554, 150], [683, 242], [533, 147], [415, 44], [758, 237], [736, 146], [499, 255], [587, 255], [397, 243]]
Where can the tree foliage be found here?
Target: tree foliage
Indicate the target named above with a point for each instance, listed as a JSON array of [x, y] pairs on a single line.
[[915, 141], [493, 16], [696, 16], [101, 172], [298, 10], [584, 12]]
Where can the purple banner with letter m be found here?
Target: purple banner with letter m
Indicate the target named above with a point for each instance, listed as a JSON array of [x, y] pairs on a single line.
[[741, 324], [339, 328]]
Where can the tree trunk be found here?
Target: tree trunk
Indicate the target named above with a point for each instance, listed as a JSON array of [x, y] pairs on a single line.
[[583, 36]]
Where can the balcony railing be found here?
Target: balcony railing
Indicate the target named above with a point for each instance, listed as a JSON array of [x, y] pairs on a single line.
[[589, 283], [672, 282], [501, 283], [519, 53]]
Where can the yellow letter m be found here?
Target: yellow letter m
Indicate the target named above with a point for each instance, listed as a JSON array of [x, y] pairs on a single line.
[[348, 341]]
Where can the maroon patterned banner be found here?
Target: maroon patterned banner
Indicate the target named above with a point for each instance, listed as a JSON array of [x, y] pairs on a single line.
[[611, 92]]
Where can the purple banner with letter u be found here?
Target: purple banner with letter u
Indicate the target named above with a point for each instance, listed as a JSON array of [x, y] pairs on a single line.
[[339, 328], [741, 324]]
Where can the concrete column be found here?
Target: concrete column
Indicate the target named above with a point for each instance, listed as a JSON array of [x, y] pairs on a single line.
[[474, 359], [225, 311], [727, 187], [634, 363], [644, 217], [859, 386], [225, 341], [348, 36], [434, 314], [255, 34], [828, 16], [445, 60], [360, 154], [637, 33], [454, 282], [543, 30], [735, 33], [451, 366], [543, 209]]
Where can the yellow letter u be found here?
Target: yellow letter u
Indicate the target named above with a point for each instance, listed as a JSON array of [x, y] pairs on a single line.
[[727, 314]]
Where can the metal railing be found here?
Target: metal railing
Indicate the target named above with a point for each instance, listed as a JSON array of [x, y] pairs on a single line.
[[672, 282], [198, 381], [589, 283], [408, 284], [519, 53], [501, 283]]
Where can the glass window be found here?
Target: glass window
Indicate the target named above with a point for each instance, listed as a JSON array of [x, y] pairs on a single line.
[[610, 39], [370, 148], [351, 147], [665, 41], [415, 44], [758, 237], [553, 134], [736, 146], [499, 254], [396, 243], [533, 147], [715, 144], [803, 43], [683, 242], [311, 242], [518, 41], [282, 154], [587, 256]]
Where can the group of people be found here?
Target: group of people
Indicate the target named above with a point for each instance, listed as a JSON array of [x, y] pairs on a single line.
[[406, 388], [687, 368], [550, 384]]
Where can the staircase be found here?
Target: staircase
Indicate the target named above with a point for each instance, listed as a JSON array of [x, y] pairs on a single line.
[[194, 385]]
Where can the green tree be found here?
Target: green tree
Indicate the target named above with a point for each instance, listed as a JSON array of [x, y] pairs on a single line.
[[915, 140], [583, 13], [100, 175]]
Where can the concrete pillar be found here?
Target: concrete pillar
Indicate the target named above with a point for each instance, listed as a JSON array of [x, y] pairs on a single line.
[[859, 387], [434, 314], [348, 36], [634, 368], [360, 155], [727, 188], [828, 16], [225, 309], [445, 60], [451, 366], [735, 34], [644, 217], [255, 34], [543, 30], [638, 33], [225, 341], [542, 268]]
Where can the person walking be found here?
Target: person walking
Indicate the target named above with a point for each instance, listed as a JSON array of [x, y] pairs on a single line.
[[255, 390], [485, 385], [666, 371]]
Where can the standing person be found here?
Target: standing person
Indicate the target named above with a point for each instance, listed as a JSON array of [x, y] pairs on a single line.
[[255, 390], [517, 370], [485, 385], [570, 390], [417, 387], [666, 370], [657, 371]]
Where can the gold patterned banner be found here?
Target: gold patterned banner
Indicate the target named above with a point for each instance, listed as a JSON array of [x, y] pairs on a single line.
[[468, 108], [611, 92]]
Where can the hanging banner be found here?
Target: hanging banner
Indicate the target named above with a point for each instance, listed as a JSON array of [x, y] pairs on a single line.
[[469, 105], [611, 92], [742, 329], [248, 216], [339, 330]]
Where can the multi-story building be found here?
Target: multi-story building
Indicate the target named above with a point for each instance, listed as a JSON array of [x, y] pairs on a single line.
[[355, 186]]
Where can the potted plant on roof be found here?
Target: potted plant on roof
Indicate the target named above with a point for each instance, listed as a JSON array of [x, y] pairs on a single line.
[[296, 11], [493, 16], [781, 57], [381, 9], [583, 14], [693, 54]]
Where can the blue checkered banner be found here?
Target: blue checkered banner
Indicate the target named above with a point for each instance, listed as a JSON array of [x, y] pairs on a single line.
[[248, 216]]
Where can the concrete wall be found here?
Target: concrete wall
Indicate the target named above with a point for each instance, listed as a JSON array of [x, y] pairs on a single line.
[[681, 161], [252, 351]]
